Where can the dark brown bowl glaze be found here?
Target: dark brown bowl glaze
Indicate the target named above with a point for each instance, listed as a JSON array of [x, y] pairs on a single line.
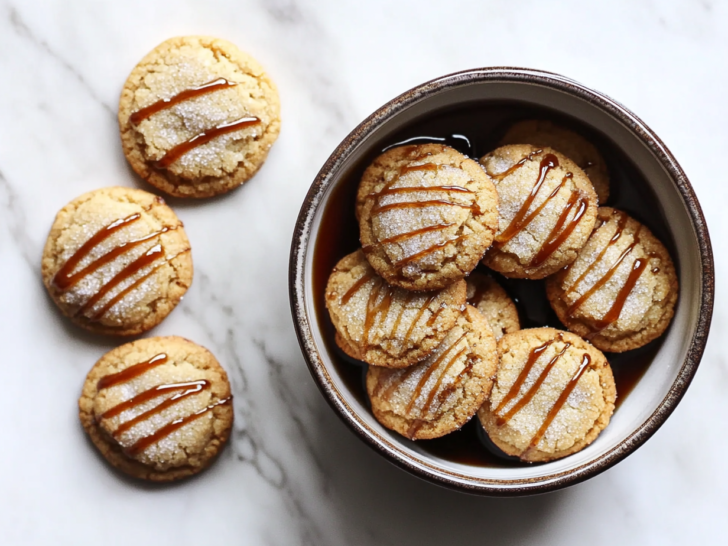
[[676, 357]]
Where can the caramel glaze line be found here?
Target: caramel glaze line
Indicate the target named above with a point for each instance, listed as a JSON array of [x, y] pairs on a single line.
[[98, 315], [187, 389], [200, 139], [131, 372], [533, 356], [605, 278], [146, 259], [147, 441], [561, 400], [65, 278], [534, 214], [188, 94], [526, 398], [559, 233], [621, 223], [548, 162], [430, 370]]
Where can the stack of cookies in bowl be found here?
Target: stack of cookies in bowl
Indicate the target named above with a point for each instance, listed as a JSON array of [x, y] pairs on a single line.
[[443, 342]]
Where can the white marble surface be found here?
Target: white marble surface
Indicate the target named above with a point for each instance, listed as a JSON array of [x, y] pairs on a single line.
[[293, 473]]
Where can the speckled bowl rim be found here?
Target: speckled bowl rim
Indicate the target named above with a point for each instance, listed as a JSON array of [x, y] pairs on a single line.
[[384, 446]]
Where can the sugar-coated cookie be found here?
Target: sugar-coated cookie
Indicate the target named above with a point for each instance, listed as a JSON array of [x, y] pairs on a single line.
[[384, 325], [547, 210], [117, 261], [488, 297], [157, 408], [440, 394], [553, 394], [426, 214], [197, 116], [621, 291], [544, 133]]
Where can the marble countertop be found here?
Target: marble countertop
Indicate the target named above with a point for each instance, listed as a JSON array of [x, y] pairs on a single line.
[[293, 473]]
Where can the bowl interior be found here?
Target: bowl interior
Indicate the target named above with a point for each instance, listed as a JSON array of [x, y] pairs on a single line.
[[654, 200]]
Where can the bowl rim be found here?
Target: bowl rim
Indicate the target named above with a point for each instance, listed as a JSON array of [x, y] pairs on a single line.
[[384, 446]]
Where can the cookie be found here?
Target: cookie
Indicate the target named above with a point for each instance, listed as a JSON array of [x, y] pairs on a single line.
[[488, 297], [543, 133], [553, 394], [547, 210], [198, 116], [426, 214], [117, 261], [621, 291], [158, 408], [385, 325], [442, 393]]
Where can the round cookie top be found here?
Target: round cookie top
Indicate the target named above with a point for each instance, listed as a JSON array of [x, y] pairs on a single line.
[[117, 261], [440, 394], [385, 325], [197, 116], [157, 408], [488, 297], [426, 215], [547, 210], [621, 290], [544, 133], [553, 394]]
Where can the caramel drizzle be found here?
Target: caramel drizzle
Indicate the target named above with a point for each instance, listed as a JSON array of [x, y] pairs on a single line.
[[131, 372], [559, 233], [143, 443], [526, 398], [430, 370], [65, 278], [356, 287], [181, 390], [548, 162], [425, 252], [443, 396], [375, 307], [436, 388], [609, 274], [120, 296], [621, 223], [415, 189], [423, 204], [388, 190], [221, 83], [500, 176], [146, 259], [408, 235], [563, 397], [203, 138], [516, 387], [419, 314], [187, 389], [612, 315]]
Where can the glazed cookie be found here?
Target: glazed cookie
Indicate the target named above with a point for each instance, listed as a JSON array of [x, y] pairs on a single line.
[[621, 291], [547, 210], [117, 261], [384, 325], [488, 297], [158, 408], [442, 393], [426, 215], [543, 133], [553, 394], [198, 116]]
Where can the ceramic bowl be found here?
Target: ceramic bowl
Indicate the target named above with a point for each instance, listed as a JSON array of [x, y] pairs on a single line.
[[664, 383]]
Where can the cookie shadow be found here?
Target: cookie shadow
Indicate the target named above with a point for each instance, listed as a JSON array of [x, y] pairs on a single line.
[[373, 498]]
